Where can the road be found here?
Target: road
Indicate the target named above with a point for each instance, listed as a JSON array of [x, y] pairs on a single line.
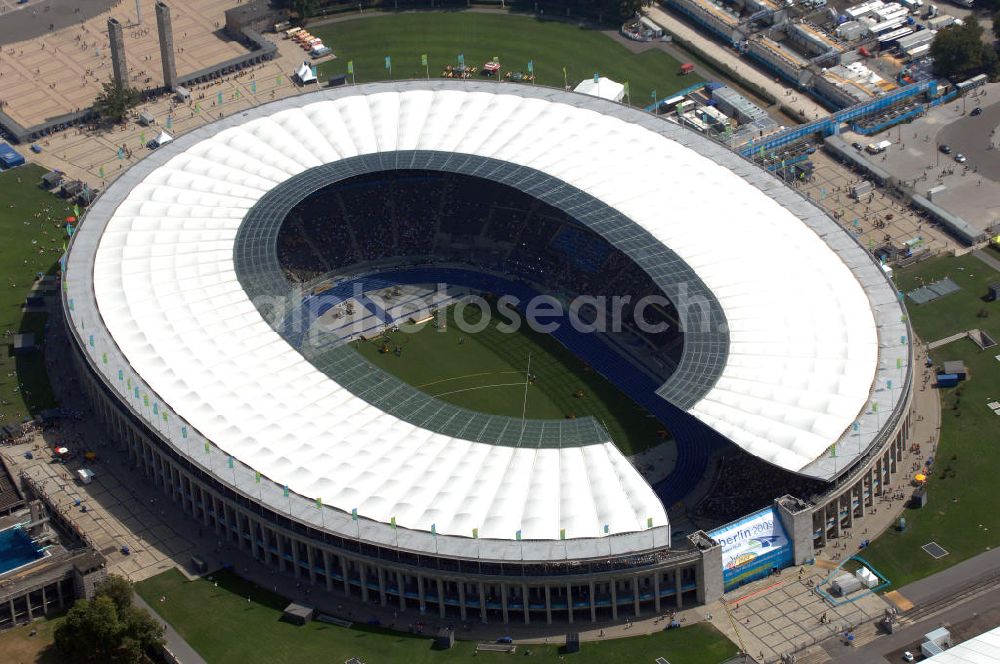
[[924, 592], [876, 652], [971, 136]]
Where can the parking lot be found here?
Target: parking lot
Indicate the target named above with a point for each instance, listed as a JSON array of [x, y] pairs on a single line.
[[971, 189]]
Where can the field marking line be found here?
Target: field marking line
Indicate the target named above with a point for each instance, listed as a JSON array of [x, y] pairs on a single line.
[[472, 375], [481, 387]]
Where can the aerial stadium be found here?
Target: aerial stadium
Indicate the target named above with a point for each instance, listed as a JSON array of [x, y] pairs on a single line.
[[219, 291]]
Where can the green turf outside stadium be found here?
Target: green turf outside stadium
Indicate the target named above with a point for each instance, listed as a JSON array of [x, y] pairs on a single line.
[[550, 45]]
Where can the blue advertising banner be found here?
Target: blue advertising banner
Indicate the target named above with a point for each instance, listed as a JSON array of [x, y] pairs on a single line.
[[752, 547]]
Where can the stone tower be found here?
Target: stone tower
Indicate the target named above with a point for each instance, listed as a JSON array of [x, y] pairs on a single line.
[[166, 32], [117, 39]]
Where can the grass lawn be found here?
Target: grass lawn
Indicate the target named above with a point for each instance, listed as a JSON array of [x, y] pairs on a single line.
[[515, 40], [486, 373], [961, 514], [32, 242], [220, 624], [956, 312], [18, 647]]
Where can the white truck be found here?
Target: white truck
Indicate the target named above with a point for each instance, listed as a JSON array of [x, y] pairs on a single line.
[[878, 148]]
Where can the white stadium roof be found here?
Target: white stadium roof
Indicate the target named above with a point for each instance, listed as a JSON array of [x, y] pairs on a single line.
[[163, 303]]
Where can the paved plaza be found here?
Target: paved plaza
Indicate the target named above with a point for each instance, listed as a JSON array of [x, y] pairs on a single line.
[[970, 190], [63, 71], [876, 218], [92, 155]]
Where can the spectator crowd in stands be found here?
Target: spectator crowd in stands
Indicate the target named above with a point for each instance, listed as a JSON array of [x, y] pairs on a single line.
[[744, 483], [449, 217]]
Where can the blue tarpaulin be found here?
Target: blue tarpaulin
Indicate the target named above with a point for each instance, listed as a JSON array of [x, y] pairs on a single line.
[[9, 157]]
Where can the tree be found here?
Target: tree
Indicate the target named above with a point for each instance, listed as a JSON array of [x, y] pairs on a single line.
[[114, 101], [304, 8], [108, 629], [119, 590], [959, 51], [996, 25]]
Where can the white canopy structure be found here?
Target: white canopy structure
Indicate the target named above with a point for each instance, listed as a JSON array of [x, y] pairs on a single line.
[[602, 87], [153, 287], [305, 74], [162, 139]]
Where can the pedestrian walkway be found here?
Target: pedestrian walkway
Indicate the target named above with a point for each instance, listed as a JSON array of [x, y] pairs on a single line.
[[987, 258], [176, 644]]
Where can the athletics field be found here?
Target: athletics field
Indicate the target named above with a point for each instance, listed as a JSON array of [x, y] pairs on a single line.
[[488, 371]]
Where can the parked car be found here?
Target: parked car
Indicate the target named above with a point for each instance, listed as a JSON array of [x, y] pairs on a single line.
[[978, 110], [960, 158], [945, 149], [857, 146]]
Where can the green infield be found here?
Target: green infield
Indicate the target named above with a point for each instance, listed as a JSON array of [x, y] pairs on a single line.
[[514, 40], [961, 515], [218, 622], [486, 372], [31, 221]]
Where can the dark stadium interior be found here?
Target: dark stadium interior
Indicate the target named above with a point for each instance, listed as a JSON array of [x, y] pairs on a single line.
[[422, 217], [437, 216]]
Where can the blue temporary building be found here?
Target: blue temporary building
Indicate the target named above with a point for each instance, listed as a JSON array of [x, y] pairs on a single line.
[[9, 157]]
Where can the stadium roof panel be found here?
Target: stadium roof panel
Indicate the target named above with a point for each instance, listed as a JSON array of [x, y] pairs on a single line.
[[154, 266]]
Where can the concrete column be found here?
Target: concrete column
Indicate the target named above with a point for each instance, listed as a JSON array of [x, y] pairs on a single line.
[[27, 603], [45, 602], [281, 550], [461, 598], [656, 592], [835, 504], [311, 561], [59, 593], [363, 571], [548, 605], [679, 588], [344, 572], [420, 594], [401, 587], [482, 602], [614, 599], [380, 573], [204, 507], [503, 603], [295, 558], [327, 576], [254, 551], [593, 603], [440, 586], [847, 498], [524, 604], [569, 603], [635, 594]]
